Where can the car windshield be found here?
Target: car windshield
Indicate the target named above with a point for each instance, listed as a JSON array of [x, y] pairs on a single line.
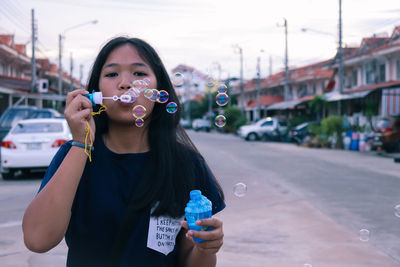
[[300, 126], [382, 123], [39, 127], [12, 117]]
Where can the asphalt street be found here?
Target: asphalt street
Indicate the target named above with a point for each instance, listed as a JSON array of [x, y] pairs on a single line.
[[302, 206]]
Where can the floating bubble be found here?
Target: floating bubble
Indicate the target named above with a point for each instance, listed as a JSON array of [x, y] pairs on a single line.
[[146, 81], [139, 122], [222, 88], [139, 111], [154, 95], [148, 93], [397, 210], [178, 79], [171, 107], [220, 121], [163, 96], [240, 189], [139, 85], [364, 235], [133, 95], [222, 99]]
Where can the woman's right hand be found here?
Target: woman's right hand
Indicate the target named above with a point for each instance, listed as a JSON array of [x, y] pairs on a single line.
[[77, 111]]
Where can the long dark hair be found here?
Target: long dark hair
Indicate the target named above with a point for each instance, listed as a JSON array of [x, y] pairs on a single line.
[[177, 166]]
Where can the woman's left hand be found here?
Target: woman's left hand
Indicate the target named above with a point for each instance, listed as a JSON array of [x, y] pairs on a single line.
[[213, 238]]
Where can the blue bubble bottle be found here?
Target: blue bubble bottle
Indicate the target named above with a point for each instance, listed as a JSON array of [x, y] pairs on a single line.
[[198, 207]]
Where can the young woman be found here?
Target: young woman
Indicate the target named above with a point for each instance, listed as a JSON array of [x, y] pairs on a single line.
[[126, 206]]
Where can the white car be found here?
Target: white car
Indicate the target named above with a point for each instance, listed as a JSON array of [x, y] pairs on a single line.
[[267, 128], [201, 125], [31, 144]]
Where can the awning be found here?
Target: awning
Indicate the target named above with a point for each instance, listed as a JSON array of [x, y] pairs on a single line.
[[336, 96], [284, 105]]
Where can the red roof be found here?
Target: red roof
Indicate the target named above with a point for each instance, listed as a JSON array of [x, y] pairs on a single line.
[[374, 86], [7, 39], [266, 100], [21, 48], [44, 62]]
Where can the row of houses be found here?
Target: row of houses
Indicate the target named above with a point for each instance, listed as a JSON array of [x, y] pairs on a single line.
[[15, 78], [371, 72]]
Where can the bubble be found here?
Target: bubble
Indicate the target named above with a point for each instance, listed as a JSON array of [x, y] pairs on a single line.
[[139, 122], [220, 121], [148, 93], [139, 85], [364, 235], [125, 98], [139, 111], [222, 88], [146, 81], [163, 96], [171, 107], [397, 210], [240, 189], [154, 95], [222, 99], [178, 79], [133, 95]]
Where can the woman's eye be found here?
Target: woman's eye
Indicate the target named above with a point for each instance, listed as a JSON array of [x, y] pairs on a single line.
[[113, 74], [138, 73]]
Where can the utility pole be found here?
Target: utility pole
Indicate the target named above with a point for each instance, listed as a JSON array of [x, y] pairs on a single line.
[[340, 58], [270, 65], [286, 87], [33, 85], [258, 113], [60, 64], [71, 79], [188, 98]]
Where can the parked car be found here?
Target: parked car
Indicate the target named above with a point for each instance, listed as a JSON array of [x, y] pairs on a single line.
[[267, 128], [185, 124], [387, 134], [16, 113], [298, 133], [201, 125], [31, 144]]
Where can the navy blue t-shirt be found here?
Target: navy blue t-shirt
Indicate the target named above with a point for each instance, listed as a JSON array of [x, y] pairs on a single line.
[[99, 206]]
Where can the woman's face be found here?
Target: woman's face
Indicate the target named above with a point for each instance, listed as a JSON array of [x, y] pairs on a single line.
[[123, 66]]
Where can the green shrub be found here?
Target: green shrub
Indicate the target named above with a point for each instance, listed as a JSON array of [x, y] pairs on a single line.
[[234, 119]]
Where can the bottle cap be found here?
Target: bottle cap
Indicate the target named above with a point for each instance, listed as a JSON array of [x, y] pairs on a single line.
[[195, 194]]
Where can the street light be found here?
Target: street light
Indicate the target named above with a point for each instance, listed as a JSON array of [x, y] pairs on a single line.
[[60, 38], [238, 49]]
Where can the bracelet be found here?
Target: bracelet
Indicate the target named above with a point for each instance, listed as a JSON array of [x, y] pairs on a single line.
[[81, 145]]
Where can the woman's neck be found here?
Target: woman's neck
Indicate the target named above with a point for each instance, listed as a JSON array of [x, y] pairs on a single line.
[[122, 139]]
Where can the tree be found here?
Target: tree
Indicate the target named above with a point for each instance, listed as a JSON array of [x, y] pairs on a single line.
[[317, 104]]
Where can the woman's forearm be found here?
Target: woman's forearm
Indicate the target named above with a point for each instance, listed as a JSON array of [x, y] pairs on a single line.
[[47, 217]]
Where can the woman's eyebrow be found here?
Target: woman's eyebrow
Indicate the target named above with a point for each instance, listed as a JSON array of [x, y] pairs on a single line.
[[136, 64]]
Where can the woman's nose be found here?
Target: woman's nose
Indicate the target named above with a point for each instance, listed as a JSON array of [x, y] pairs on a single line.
[[125, 83]]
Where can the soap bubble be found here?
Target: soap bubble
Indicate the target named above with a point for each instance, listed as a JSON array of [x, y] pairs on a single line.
[[146, 81], [222, 88], [139, 85], [139, 122], [210, 82], [397, 210], [171, 107], [220, 121], [125, 98], [178, 79], [139, 111], [154, 95], [133, 95], [148, 93], [163, 96], [222, 99], [240, 189], [364, 235]]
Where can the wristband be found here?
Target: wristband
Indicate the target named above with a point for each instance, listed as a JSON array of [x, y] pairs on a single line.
[[81, 145]]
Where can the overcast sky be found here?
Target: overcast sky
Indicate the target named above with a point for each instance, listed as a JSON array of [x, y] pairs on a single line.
[[200, 33]]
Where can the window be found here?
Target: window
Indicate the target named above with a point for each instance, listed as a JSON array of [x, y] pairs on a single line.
[[267, 123], [355, 78], [302, 90], [323, 86], [398, 69], [370, 69], [382, 73], [40, 127], [314, 88]]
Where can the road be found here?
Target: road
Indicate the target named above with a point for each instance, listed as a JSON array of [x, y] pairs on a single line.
[[302, 206]]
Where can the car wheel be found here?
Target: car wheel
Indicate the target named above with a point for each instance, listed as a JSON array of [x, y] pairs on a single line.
[[8, 175], [252, 137]]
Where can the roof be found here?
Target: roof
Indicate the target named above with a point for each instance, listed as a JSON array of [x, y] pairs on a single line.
[[266, 100], [374, 86], [7, 39]]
